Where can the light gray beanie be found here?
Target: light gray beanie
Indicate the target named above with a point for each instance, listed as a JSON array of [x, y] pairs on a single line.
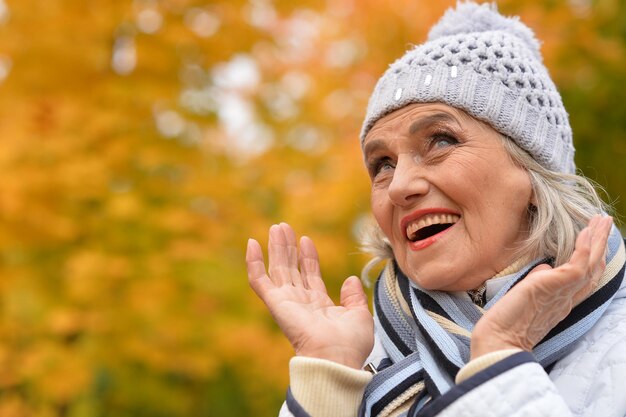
[[489, 66]]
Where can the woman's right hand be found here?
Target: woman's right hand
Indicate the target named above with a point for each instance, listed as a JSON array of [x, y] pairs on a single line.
[[300, 305]]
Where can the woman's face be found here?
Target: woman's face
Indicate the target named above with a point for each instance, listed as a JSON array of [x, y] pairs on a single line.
[[447, 195]]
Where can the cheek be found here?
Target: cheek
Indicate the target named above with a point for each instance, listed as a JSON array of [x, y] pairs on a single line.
[[504, 186], [494, 200], [518, 191], [380, 209], [509, 207]]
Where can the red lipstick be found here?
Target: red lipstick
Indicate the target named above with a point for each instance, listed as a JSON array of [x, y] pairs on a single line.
[[424, 243]]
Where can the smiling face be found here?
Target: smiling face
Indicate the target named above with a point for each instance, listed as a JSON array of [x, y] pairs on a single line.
[[447, 195]]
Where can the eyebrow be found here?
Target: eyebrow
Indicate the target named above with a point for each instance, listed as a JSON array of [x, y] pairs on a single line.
[[373, 146], [430, 120]]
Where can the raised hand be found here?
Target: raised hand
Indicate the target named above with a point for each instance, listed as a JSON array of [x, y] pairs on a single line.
[[545, 297], [298, 300]]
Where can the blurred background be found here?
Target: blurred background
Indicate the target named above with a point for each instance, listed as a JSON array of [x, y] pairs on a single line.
[[142, 142]]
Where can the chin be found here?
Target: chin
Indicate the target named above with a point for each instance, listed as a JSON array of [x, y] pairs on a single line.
[[440, 279]]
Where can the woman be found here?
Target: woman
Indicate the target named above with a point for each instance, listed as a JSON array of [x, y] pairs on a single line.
[[503, 292]]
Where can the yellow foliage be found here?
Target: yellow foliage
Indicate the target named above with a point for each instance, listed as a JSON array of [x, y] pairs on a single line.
[[124, 206], [56, 372]]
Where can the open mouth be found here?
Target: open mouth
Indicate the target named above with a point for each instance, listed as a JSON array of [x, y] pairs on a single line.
[[430, 225]]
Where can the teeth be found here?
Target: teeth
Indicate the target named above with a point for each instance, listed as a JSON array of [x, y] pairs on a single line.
[[429, 220]]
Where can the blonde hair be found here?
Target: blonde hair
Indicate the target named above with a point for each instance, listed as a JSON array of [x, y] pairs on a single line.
[[562, 206]]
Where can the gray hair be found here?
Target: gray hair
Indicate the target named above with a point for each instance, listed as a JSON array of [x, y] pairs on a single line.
[[562, 206]]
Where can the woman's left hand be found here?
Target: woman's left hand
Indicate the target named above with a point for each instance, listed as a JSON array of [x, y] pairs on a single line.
[[545, 297]]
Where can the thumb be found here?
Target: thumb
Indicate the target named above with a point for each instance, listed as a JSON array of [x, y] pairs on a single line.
[[533, 276], [540, 267], [352, 294]]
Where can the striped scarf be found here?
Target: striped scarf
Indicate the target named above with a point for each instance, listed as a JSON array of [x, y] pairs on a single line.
[[426, 334]]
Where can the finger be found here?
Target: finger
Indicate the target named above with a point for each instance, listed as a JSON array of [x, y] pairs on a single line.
[[278, 258], [594, 226], [352, 295], [599, 229], [593, 229], [257, 277], [608, 226], [600, 238], [310, 265], [598, 248], [593, 223], [582, 250], [574, 272], [609, 229], [292, 255]]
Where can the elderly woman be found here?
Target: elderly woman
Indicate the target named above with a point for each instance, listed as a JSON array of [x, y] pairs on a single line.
[[503, 292]]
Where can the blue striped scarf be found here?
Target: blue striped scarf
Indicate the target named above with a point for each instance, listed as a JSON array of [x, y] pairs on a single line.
[[426, 334]]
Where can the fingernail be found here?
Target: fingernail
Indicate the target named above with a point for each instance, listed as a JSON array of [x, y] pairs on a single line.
[[249, 250]]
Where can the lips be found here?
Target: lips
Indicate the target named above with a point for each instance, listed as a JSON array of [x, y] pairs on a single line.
[[430, 225], [423, 227]]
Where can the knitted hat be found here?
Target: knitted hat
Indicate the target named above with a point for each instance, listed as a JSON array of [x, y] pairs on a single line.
[[489, 66]]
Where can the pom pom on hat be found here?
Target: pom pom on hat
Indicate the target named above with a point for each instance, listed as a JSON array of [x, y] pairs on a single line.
[[470, 17], [489, 66]]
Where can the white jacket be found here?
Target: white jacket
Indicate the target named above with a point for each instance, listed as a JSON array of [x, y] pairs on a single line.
[[589, 382]]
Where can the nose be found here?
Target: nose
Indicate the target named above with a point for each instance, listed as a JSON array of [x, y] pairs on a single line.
[[408, 183]]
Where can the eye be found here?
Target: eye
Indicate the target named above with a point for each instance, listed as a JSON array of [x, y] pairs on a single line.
[[380, 165], [441, 141]]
